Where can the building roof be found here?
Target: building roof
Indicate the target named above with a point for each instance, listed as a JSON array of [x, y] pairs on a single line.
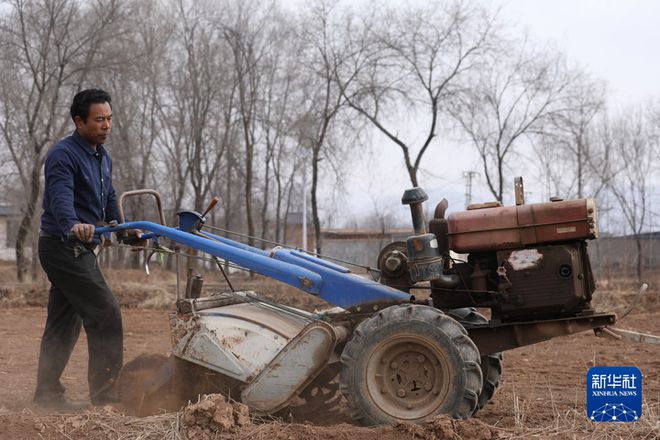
[[655, 235]]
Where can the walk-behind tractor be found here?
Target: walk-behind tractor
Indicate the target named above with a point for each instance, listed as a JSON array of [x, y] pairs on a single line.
[[392, 355]]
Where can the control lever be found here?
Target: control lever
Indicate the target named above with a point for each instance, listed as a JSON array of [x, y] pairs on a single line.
[[642, 289], [214, 201]]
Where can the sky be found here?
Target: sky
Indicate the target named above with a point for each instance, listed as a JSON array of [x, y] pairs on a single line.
[[617, 41]]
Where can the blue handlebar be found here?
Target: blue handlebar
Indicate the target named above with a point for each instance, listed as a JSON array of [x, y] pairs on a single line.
[[332, 282]]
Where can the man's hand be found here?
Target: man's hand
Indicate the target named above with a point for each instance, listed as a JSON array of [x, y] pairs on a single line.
[[138, 236], [83, 231], [133, 237]]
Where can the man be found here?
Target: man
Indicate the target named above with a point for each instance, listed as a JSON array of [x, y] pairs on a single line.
[[78, 195]]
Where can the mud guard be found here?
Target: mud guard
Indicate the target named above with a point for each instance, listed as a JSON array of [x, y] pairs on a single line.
[[292, 370]]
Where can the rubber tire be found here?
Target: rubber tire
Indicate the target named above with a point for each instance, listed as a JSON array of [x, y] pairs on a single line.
[[491, 364], [446, 335], [491, 369]]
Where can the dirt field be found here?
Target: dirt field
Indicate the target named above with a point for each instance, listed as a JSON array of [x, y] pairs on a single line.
[[542, 394]]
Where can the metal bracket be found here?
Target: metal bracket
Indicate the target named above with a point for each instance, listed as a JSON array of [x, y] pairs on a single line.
[[495, 337]]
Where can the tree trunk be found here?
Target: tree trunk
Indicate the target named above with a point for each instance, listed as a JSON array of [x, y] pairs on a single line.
[[638, 242], [264, 207], [412, 172], [278, 208], [579, 170], [171, 261], [22, 260], [228, 191], [287, 210], [35, 257], [35, 244], [249, 156], [315, 208], [500, 180]]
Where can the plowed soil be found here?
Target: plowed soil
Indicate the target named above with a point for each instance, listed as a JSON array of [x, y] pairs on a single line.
[[542, 393]]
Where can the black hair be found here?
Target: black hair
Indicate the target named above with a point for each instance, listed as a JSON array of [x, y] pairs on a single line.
[[85, 98]]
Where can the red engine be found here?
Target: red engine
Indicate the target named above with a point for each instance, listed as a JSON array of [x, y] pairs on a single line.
[[524, 262], [492, 228]]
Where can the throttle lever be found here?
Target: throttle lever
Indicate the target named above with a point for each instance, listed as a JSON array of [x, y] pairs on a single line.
[[214, 201]]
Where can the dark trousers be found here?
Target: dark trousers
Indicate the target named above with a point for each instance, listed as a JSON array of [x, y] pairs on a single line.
[[78, 295]]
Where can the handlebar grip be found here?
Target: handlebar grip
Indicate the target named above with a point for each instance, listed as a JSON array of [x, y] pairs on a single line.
[[70, 236], [121, 236]]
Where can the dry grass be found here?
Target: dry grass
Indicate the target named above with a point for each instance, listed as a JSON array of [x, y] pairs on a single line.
[[100, 423], [107, 423], [574, 424]]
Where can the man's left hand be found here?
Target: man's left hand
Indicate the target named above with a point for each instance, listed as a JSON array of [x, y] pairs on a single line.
[[134, 238], [138, 236]]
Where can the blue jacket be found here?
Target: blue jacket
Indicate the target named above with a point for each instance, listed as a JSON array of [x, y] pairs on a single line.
[[78, 186]]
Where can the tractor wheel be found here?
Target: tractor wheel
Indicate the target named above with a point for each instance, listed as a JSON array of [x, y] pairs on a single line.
[[491, 364], [410, 363], [491, 369]]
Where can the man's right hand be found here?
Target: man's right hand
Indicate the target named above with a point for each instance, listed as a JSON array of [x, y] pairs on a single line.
[[83, 231]]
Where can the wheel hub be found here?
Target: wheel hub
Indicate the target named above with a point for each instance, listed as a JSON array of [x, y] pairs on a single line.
[[411, 376]]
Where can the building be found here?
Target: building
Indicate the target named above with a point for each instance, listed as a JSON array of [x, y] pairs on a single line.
[[620, 254], [9, 219], [360, 246]]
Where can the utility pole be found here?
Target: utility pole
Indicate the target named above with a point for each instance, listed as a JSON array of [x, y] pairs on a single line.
[[304, 210], [468, 176]]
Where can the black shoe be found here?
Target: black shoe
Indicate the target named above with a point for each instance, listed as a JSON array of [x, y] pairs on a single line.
[[58, 402]]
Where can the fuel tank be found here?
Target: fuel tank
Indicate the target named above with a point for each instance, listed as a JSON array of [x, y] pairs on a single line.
[[492, 228]]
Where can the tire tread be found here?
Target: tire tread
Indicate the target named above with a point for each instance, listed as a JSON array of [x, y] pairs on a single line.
[[456, 333]]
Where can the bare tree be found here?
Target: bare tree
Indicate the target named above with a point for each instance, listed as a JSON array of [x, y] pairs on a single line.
[[275, 119], [49, 48], [323, 53], [510, 98], [135, 88], [569, 149], [247, 32], [407, 65], [633, 142], [208, 94], [197, 106]]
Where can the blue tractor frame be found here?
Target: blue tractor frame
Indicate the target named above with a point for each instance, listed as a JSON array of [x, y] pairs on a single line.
[[332, 282]]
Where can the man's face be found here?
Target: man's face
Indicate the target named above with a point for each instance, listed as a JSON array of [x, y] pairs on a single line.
[[98, 125]]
